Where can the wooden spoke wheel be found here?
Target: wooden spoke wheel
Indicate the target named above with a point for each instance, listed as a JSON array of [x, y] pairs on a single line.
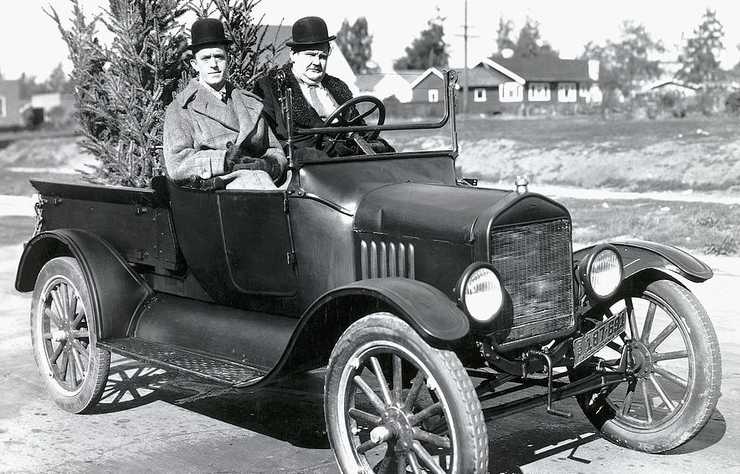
[[428, 420], [671, 352], [63, 335]]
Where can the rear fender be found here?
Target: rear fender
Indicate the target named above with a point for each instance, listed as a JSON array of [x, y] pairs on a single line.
[[429, 311], [641, 257], [116, 290]]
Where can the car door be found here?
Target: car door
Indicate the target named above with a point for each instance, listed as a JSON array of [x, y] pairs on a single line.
[[256, 241]]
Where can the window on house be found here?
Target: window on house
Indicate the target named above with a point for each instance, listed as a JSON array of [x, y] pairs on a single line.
[[567, 92], [3, 110], [539, 92], [510, 92], [433, 95], [479, 95]]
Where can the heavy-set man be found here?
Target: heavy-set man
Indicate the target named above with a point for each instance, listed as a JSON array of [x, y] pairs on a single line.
[[215, 134], [315, 94]]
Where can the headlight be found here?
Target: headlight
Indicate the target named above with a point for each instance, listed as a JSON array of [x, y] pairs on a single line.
[[601, 272], [480, 292]]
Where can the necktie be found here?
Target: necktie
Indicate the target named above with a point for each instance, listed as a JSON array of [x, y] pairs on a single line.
[[224, 98], [316, 102]]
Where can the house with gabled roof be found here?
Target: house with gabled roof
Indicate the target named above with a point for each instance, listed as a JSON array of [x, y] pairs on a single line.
[[388, 84], [519, 84]]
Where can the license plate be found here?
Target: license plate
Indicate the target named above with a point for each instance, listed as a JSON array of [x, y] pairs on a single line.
[[591, 342]]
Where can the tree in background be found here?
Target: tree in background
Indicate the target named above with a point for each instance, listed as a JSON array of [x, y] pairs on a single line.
[[699, 58], [428, 50], [627, 62], [121, 91], [529, 43], [57, 81], [503, 37], [356, 45]]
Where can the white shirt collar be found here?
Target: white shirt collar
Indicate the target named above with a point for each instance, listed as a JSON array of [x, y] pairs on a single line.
[[216, 93]]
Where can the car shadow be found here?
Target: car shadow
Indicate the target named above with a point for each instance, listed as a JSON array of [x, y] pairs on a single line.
[[291, 410]]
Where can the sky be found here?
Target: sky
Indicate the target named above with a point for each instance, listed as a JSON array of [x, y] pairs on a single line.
[[31, 43]]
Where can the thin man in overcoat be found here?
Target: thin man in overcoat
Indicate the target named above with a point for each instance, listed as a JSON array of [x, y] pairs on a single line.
[[214, 130]]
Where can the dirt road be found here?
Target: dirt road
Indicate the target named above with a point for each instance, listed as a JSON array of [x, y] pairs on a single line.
[[155, 421]]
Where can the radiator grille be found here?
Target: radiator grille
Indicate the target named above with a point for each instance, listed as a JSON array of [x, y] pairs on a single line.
[[386, 259], [535, 264]]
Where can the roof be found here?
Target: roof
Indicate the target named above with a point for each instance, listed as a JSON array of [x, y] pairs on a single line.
[[367, 82], [423, 75], [479, 77], [543, 69], [410, 75]]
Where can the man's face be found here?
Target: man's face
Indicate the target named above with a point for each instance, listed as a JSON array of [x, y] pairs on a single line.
[[211, 65], [310, 64]]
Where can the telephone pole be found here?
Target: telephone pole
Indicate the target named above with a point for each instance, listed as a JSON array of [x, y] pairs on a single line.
[[465, 36]]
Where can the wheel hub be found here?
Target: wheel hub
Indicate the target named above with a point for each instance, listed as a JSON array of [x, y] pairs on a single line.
[[642, 359], [396, 425]]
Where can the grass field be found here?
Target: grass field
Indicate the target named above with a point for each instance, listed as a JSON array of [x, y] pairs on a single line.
[[635, 155]]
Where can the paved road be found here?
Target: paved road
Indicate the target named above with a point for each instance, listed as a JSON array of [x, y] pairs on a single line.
[[154, 421]]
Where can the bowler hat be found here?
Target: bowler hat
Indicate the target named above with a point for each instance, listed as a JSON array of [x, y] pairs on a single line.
[[207, 32], [308, 31]]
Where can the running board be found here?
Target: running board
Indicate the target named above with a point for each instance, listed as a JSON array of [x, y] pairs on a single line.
[[173, 357]]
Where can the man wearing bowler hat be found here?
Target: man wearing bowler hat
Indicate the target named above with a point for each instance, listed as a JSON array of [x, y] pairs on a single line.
[[315, 94], [215, 134]]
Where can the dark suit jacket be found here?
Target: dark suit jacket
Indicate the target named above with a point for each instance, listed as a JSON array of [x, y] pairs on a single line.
[[304, 116], [198, 127]]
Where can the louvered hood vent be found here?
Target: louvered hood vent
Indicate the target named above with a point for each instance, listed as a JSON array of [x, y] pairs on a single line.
[[380, 259]]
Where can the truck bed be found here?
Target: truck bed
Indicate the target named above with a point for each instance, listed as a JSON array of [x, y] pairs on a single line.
[[137, 222]]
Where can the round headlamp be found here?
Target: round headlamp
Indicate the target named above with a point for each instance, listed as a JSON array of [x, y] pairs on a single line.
[[601, 272], [480, 292]]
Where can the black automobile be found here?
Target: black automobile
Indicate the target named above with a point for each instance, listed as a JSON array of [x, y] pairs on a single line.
[[432, 303]]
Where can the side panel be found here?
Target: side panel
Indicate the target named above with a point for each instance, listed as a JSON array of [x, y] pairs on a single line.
[[323, 246], [639, 256], [255, 339], [116, 290], [431, 313]]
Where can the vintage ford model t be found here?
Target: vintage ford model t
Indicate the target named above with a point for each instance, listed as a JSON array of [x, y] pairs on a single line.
[[425, 297]]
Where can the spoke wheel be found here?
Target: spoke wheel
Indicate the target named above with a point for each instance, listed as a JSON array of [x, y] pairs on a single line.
[[395, 404], [671, 351], [63, 335]]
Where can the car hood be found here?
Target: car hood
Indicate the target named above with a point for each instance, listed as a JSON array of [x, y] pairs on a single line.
[[427, 211]]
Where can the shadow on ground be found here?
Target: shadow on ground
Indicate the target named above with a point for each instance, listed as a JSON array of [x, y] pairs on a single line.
[[292, 411]]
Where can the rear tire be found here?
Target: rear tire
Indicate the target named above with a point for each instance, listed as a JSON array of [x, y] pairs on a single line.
[[63, 333], [376, 422], [678, 371]]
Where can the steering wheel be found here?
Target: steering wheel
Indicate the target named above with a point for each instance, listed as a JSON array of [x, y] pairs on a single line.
[[338, 119]]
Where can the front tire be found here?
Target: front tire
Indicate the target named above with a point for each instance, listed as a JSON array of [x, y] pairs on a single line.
[[677, 368], [430, 421], [63, 321]]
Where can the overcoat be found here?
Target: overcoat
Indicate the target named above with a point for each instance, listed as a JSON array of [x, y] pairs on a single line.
[[304, 116], [198, 129]]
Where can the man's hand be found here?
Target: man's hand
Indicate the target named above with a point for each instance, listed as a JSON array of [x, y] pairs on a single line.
[[268, 164], [232, 157]]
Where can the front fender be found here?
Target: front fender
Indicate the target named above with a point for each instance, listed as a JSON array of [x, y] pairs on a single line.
[[640, 256], [425, 308], [116, 290]]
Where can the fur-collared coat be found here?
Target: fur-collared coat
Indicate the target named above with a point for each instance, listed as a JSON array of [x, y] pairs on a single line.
[[304, 116], [198, 128]]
